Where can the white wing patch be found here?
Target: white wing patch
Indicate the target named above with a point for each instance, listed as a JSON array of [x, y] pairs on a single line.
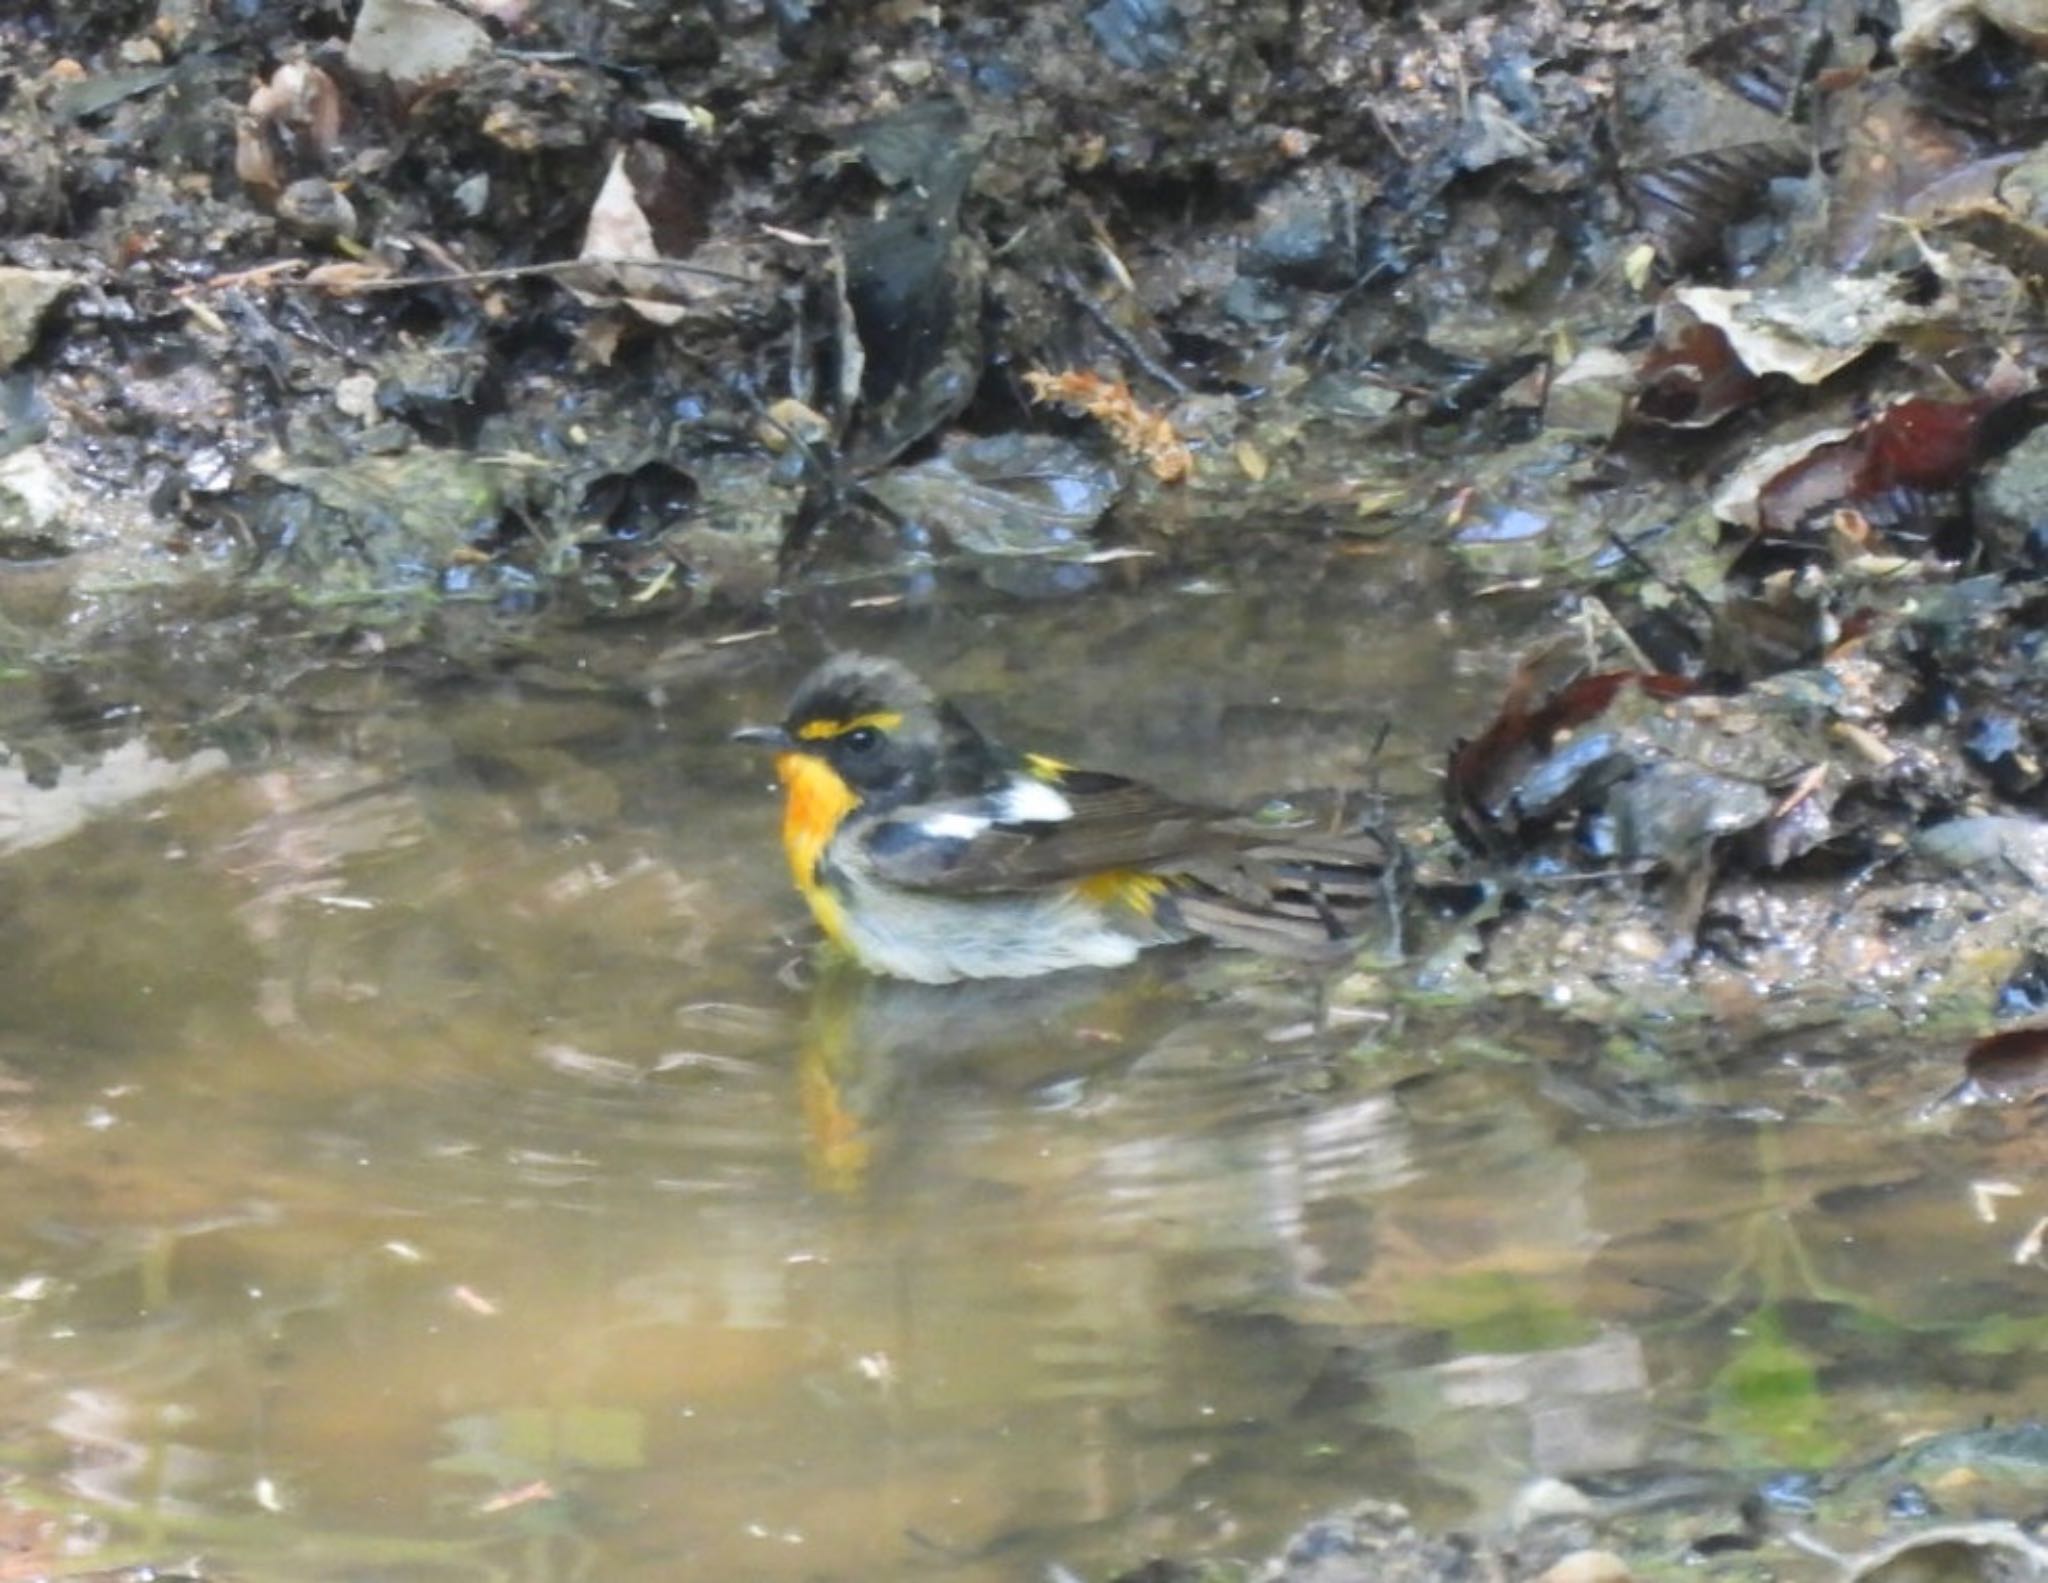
[[1029, 801], [954, 826]]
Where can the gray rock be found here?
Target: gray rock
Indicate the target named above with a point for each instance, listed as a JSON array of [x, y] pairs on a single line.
[[414, 43], [2012, 504], [26, 295]]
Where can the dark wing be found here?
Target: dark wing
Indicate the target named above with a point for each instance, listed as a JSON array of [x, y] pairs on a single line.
[[991, 842]]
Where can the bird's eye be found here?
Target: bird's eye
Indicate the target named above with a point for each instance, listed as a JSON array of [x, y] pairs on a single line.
[[861, 739]]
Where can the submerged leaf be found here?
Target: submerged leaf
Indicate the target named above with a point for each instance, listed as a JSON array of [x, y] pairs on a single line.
[[1009, 494], [2008, 1066]]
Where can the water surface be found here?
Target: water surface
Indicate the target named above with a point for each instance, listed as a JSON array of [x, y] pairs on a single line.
[[432, 1149]]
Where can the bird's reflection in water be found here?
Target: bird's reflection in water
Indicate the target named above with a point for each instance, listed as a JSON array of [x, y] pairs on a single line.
[[869, 1044]]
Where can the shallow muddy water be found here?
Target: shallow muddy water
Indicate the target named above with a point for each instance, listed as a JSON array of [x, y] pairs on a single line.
[[430, 1150]]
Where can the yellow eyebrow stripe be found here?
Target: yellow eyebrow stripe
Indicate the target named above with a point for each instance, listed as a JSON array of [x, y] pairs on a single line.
[[825, 730]]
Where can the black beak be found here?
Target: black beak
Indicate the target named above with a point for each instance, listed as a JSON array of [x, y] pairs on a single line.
[[762, 737]]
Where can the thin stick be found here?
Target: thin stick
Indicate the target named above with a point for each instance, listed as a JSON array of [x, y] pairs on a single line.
[[468, 277], [1116, 332]]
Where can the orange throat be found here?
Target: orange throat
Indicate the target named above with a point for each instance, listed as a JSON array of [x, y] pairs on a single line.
[[815, 801]]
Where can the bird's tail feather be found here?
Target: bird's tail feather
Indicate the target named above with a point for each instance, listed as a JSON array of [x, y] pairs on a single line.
[[1314, 898]]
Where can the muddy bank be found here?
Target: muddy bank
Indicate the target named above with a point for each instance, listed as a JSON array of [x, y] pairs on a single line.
[[1886, 1520]]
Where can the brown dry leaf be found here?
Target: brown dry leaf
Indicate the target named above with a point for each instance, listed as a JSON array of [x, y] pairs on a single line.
[[619, 229], [345, 278], [300, 105], [645, 244], [1692, 379], [597, 342], [303, 97], [1806, 329]]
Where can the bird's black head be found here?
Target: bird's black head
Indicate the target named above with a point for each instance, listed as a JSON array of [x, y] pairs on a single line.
[[884, 732]]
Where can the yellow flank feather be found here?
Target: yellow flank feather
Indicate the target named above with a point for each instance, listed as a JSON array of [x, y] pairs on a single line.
[[817, 800], [1045, 766], [1123, 887]]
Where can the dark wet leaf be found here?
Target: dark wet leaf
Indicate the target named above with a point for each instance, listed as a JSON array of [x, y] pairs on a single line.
[[1671, 813], [1922, 443], [80, 101], [923, 145], [1307, 236], [1009, 494], [1893, 149], [636, 504], [1900, 472], [1688, 203], [2007, 1066], [1497, 782], [1694, 381], [1767, 62], [1481, 387], [914, 283], [1583, 767]]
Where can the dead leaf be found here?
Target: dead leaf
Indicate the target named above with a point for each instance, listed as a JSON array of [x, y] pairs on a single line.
[[342, 279], [1805, 330], [618, 229], [1943, 29], [642, 239]]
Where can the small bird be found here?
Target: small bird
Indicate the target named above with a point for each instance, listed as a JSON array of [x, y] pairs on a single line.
[[931, 852]]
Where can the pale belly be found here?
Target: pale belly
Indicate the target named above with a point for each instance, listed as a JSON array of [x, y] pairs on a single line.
[[939, 940]]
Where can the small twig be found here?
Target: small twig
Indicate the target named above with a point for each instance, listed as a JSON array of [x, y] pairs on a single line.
[[468, 277], [255, 275], [1628, 551], [1125, 342]]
